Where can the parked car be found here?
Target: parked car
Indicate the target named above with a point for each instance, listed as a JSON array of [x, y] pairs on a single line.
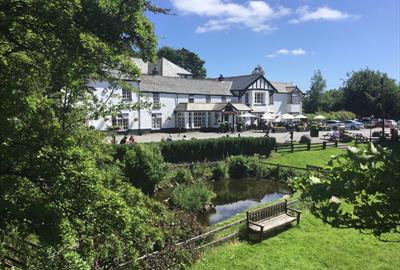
[[351, 124], [335, 124], [390, 123]]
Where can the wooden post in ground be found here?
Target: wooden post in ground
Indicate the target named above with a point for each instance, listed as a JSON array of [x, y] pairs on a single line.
[[324, 145], [308, 146], [336, 143], [292, 147]]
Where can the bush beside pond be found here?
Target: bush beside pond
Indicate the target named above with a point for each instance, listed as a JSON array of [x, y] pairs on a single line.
[[192, 197]]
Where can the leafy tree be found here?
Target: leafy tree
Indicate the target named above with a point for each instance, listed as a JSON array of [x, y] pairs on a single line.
[[360, 191], [185, 59], [58, 185], [332, 100], [363, 94], [145, 168], [312, 102], [192, 197]]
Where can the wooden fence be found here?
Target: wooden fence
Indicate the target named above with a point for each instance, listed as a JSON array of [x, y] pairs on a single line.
[[291, 147]]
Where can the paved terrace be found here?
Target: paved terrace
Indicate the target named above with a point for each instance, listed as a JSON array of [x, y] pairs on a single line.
[[280, 137]]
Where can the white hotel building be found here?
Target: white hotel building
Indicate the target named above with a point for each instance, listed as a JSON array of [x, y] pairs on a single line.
[[181, 102]]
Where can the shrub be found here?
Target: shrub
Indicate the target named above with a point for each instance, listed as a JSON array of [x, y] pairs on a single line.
[[182, 176], [144, 167], [247, 167], [305, 139], [220, 171], [238, 167], [215, 149], [192, 197]]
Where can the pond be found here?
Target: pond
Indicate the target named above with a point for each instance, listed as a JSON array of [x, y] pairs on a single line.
[[235, 196]]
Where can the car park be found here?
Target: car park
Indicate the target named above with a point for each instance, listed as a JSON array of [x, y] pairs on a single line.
[[351, 124], [335, 124]]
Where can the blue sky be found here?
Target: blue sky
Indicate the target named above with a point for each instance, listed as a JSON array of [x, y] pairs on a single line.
[[288, 38]]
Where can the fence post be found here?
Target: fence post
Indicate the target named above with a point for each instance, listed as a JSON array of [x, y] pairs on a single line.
[[324, 145], [278, 169], [276, 148], [308, 146], [292, 147], [336, 143]]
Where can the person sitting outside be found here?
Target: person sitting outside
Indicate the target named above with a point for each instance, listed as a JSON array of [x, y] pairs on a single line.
[[123, 140], [169, 138], [131, 140]]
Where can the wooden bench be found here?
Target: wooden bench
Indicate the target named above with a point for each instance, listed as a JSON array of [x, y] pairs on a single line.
[[271, 217]]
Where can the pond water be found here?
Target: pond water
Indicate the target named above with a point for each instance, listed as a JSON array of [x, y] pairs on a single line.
[[235, 196]]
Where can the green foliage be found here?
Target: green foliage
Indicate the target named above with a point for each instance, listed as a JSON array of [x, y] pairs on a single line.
[[185, 59], [361, 191], [144, 166], [337, 115], [240, 167], [363, 94], [332, 100], [183, 176], [192, 197], [57, 179], [215, 149], [312, 102], [220, 171]]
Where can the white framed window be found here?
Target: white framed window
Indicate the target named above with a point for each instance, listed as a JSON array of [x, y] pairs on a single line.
[[246, 98], [156, 100], [156, 120], [180, 120], [295, 97], [191, 98], [223, 98], [259, 98], [271, 98], [121, 121], [199, 119], [190, 119], [126, 95], [208, 99]]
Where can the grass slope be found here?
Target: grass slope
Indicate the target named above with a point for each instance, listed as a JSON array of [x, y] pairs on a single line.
[[312, 245], [302, 158]]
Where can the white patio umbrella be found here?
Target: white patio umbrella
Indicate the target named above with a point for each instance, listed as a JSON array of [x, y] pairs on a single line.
[[247, 115], [300, 116], [319, 117], [287, 116], [268, 116]]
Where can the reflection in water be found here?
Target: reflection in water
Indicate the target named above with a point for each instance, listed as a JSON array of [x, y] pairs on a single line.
[[235, 196]]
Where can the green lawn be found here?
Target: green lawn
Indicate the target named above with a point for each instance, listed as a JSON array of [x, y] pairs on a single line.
[[302, 158], [312, 245]]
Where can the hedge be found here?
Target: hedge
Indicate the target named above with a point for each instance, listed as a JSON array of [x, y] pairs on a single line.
[[215, 149], [208, 149]]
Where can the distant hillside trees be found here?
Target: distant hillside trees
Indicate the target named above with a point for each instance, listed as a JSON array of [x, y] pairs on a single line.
[[185, 59]]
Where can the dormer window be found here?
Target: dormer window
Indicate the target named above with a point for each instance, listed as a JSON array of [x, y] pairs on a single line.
[[191, 99], [295, 97]]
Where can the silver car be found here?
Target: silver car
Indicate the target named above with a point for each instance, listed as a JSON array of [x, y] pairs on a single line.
[[335, 124], [351, 124]]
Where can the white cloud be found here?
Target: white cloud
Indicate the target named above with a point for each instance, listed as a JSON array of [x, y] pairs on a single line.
[[322, 13], [224, 14], [298, 52], [295, 52]]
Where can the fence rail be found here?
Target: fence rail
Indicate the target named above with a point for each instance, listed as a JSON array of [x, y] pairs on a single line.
[[291, 147]]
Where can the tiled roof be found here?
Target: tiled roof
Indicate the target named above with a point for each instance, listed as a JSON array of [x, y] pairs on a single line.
[[193, 107], [284, 87], [241, 82], [155, 83]]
